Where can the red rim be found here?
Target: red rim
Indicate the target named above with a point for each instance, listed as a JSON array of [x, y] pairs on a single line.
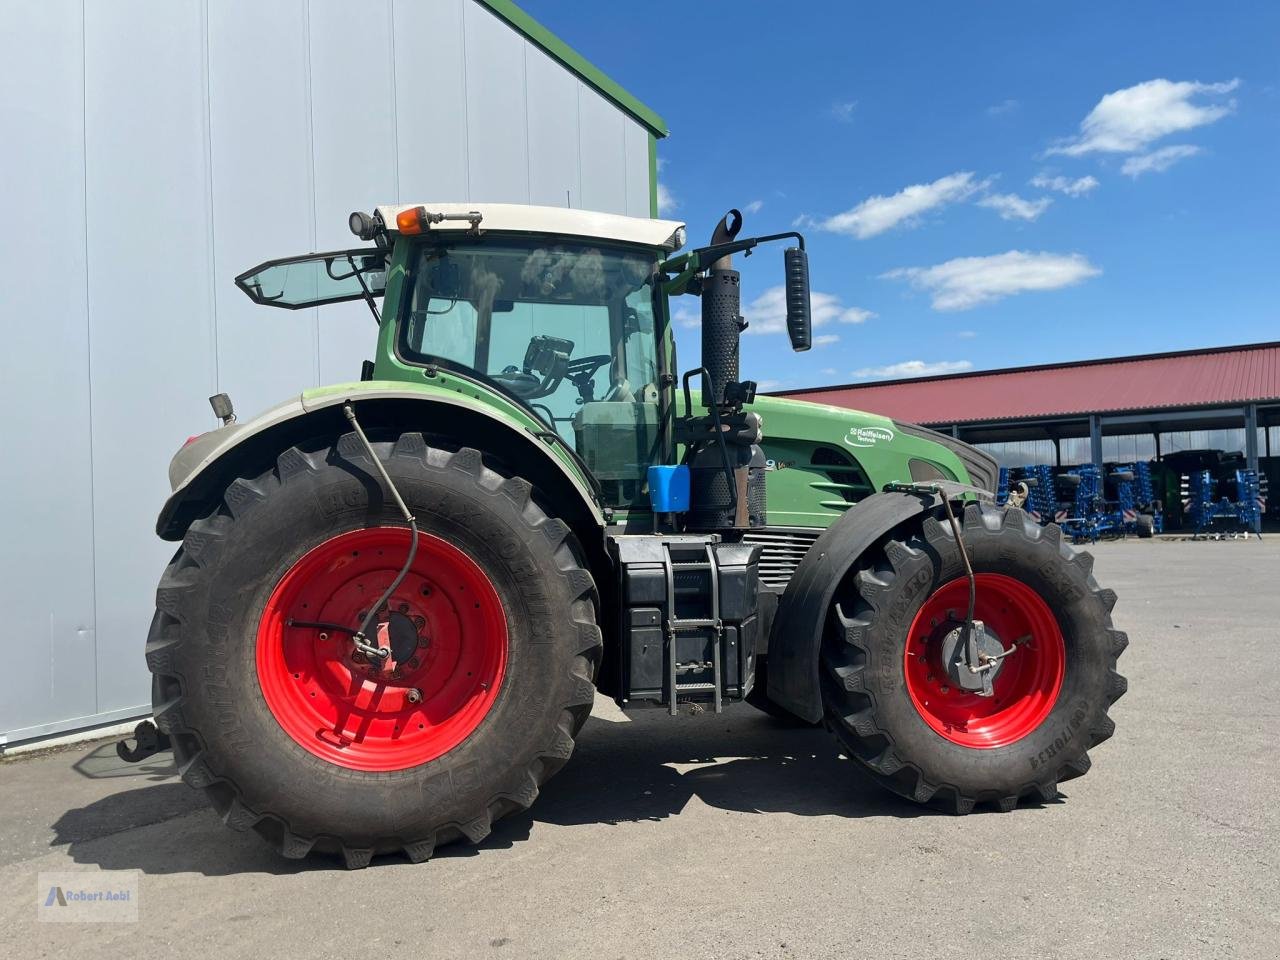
[[1028, 682], [354, 714]]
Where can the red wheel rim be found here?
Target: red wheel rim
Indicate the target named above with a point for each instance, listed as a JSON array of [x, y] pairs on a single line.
[[1025, 688], [351, 713]]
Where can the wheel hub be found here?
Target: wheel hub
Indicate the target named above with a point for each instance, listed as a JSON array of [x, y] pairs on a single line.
[[990, 655]]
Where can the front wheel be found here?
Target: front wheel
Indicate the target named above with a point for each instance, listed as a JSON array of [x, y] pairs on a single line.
[[892, 702]]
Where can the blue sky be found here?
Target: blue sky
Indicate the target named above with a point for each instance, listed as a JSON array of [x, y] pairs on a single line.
[[981, 185]]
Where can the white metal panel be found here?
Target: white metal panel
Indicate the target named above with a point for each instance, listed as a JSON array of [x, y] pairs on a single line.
[[522, 218], [353, 135], [431, 99], [260, 117], [497, 138], [636, 144], [552, 94], [46, 517], [602, 146], [150, 301], [218, 135]]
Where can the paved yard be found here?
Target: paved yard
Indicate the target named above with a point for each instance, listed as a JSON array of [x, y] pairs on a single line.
[[732, 836]]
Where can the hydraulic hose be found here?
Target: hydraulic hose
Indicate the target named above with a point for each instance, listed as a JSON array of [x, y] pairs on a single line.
[[361, 635]]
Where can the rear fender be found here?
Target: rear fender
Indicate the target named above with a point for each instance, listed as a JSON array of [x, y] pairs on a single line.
[[203, 469], [795, 639]]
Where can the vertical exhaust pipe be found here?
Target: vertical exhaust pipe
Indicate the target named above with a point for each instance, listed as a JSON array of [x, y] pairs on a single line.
[[721, 316]]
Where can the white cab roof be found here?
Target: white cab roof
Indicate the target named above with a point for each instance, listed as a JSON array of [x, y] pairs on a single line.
[[526, 218]]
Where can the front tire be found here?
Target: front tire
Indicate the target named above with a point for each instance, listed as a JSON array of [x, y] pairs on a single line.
[[291, 733], [885, 690]]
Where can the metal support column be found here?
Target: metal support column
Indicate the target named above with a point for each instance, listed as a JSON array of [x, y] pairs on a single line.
[[1057, 451], [1251, 436], [1157, 436], [1095, 440]]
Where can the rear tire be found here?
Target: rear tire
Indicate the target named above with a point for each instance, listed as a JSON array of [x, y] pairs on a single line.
[[236, 684], [889, 704], [1146, 526]]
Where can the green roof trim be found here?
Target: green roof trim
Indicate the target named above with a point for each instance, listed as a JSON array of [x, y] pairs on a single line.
[[576, 62]]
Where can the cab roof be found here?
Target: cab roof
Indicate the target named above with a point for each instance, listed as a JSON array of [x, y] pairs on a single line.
[[528, 218]]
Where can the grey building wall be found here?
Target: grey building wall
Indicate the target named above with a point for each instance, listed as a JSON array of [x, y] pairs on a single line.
[[150, 150]]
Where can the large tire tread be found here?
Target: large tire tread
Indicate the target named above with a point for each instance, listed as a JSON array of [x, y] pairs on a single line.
[[849, 688], [200, 545]]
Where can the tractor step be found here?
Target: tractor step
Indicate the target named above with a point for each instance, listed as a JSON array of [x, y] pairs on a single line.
[[678, 564], [689, 619]]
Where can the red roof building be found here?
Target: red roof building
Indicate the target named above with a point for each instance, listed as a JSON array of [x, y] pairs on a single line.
[[1223, 387]]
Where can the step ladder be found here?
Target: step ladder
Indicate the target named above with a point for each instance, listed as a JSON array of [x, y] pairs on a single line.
[[675, 625]]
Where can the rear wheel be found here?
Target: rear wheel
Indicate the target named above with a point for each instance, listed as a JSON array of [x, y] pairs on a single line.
[[887, 692], [293, 732]]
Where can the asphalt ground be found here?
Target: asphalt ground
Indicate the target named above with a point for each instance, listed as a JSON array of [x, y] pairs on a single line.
[[735, 836]]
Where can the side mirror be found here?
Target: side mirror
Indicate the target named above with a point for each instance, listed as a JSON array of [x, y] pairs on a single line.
[[799, 326]]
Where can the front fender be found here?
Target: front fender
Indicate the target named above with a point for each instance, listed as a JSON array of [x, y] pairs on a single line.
[[795, 639], [204, 467]]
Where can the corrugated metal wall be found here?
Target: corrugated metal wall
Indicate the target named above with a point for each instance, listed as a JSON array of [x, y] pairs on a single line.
[[149, 151]]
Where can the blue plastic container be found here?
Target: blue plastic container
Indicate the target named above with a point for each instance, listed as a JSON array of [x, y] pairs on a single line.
[[669, 489]]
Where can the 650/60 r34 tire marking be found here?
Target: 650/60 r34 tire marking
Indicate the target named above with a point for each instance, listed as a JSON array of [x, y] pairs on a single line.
[[336, 704]]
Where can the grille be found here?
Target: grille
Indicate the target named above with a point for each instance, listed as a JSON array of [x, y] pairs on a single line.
[[781, 550], [842, 477]]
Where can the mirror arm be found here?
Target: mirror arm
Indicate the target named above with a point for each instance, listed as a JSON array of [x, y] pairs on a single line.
[[368, 296]]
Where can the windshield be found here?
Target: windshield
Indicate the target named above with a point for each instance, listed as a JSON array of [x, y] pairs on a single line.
[[568, 327]]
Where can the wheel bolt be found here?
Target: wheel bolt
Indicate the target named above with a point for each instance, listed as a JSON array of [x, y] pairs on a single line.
[[324, 636], [358, 657], [945, 688], [413, 663], [403, 608], [420, 622], [414, 695]]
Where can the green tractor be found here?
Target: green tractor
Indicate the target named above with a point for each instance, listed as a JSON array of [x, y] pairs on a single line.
[[395, 599]]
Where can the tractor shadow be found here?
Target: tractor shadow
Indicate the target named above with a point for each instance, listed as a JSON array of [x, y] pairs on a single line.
[[648, 768]]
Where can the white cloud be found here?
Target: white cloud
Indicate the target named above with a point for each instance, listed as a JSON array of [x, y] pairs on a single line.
[[843, 111], [1126, 121], [968, 281], [667, 203], [1003, 107], [825, 339], [1010, 206], [753, 207], [767, 313], [966, 334], [877, 214], [828, 371], [912, 368], [1072, 188], [1158, 161], [763, 385], [687, 317]]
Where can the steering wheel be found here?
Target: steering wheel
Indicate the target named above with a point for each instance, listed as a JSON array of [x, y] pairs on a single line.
[[581, 372]]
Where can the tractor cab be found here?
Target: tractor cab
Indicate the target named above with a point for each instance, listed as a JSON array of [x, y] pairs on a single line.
[[560, 311]]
